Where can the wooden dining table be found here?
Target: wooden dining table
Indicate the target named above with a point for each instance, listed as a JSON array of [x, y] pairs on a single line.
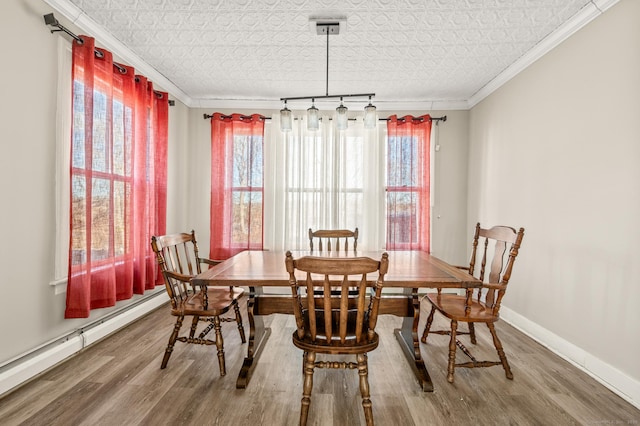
[[408, 272]]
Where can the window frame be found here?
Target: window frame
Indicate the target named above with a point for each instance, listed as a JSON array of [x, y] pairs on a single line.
[[63, 163]]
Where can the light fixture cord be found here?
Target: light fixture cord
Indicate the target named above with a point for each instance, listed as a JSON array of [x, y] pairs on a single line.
[[327, 83]]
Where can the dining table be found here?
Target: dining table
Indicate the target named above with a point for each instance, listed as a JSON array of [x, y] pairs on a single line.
[[409, 271]]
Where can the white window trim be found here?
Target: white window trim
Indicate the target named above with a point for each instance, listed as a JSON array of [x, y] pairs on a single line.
[[63, 148]]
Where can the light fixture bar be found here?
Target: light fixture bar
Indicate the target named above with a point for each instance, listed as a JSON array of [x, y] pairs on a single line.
[[359, 95]]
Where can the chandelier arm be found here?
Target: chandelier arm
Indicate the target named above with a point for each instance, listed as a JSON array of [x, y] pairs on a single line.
[[355, 95]]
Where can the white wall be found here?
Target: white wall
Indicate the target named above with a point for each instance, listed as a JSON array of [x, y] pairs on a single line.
[[556, 151], [32, 314]]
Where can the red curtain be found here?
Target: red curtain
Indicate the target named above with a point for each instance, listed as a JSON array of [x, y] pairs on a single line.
[[118, 181], [236, 184], [408, 186]]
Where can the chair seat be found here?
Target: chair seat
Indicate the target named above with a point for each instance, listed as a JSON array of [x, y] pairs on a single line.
[[221, 299], [322, 345], [335, 347], [452, 306]]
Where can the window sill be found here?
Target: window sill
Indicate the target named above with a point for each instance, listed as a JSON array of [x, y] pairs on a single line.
[[59, 286]]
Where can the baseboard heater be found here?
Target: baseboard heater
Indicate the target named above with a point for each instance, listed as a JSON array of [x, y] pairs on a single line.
[[26, 366]]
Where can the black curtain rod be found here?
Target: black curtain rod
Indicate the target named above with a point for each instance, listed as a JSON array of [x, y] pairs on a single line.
[[443, 118], [51, 20], [207, 116]]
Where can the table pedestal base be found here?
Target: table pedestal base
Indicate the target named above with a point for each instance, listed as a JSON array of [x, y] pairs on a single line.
[[249, 363], [415, 359], [406, 305]]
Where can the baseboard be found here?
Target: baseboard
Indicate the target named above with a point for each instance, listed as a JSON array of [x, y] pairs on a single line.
[[30, 365], [626, 387], [103, 329]]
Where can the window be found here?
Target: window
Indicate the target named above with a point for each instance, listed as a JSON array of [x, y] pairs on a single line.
[[63, 142], [237, 186], [108, 178], [324, 182], [246, 190], [324, 179], [377, 180], [408, 183], [118, 181]]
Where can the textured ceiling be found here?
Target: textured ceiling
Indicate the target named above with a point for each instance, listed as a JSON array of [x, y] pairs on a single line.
[[261, 50]]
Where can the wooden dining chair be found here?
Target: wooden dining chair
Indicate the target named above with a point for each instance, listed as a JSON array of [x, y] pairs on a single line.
[[328, 239], [335, 325], [179, 261], [495, 248]]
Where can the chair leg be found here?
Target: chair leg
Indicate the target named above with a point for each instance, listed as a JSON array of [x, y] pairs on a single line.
[[427, 326], [309, 364], [194, 326], [501, 354], [220, 345], [452, 351], [363, 371], [172, 342], [472, 333], [236, 309]]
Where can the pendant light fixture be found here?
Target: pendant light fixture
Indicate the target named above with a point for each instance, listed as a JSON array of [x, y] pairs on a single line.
[[313, 117], [370, 116], [286, 121], [342, 120], [327, 26]]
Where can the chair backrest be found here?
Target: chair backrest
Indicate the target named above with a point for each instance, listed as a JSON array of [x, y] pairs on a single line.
[[329, 239], [334, 317], [177, 256], [496, 247]]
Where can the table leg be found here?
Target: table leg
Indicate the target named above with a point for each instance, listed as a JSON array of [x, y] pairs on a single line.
[[407, 336], [258, 336]]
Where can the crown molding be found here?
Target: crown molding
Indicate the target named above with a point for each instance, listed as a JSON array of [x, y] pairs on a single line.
[[582, 18], [381, 105], [591, 11], [106, 40]]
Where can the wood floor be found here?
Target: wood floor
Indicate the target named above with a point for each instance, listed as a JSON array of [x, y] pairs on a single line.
[[119, 382]]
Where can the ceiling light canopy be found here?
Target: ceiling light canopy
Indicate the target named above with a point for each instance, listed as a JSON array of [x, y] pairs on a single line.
[[328, 26]]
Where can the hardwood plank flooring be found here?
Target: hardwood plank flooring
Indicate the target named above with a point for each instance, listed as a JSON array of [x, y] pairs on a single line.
[[118, 381]]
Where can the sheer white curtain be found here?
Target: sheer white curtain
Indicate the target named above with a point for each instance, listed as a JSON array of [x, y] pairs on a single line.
[[323, 179]]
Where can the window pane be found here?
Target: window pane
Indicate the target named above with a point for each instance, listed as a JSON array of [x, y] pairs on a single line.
[[402, 219], [78, 126], [402, 154], [247, 217], [118, 138], [350, 166], [256, 162], [247, 161], [350, 207], [255, 231], [78, 224], [120, 197], [100, 213], [100, 142]]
